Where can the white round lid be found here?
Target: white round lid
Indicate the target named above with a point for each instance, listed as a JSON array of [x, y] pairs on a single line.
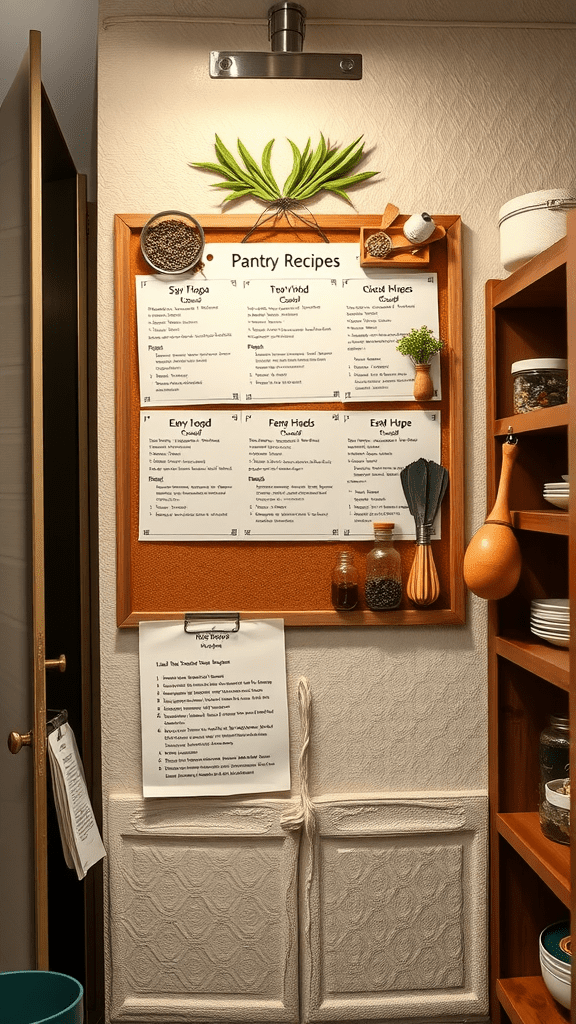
[[539, 364], [535, 199]]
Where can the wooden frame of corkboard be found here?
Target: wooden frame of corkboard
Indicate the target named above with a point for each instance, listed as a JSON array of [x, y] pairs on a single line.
[[288, 580]]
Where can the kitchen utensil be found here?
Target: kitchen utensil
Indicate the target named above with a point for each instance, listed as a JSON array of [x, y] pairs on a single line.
[[424, 484], [492, 562]]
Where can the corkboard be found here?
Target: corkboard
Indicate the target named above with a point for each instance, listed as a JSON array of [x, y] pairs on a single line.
[[164, 580]]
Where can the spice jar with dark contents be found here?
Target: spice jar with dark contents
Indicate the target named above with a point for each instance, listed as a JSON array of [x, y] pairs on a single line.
[[539, 383], [383, 587], [345, 582]]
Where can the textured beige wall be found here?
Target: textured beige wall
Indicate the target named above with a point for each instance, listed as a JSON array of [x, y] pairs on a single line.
[[458, 120]]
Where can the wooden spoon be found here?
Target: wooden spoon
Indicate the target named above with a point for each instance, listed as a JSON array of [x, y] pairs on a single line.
[[492, 562]]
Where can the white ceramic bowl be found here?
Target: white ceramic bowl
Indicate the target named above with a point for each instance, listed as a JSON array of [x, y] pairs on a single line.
[[557, 986], [555, 972], [564, 976]]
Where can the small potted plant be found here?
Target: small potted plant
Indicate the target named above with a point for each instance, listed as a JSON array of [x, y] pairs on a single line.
[[420, 345]]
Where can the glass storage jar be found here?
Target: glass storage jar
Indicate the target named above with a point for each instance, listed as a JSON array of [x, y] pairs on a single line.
[[383, 586], [554, 755], [539, 383], [345, 582]]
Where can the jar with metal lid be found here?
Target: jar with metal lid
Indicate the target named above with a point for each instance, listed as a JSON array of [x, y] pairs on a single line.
[[345, 582], [555, 811], [539, 383], [383, 586], [554, 754]]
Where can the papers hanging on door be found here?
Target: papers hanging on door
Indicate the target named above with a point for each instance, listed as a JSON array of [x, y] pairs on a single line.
[[81, 841]]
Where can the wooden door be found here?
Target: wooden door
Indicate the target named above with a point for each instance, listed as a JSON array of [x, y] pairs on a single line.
[[23, 779], [45, 634]]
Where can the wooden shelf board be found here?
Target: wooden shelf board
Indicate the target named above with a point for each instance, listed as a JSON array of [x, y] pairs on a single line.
[[551, 663], [541, 521], [542, 420], [550, 861], [528, 1001], [538, 282]]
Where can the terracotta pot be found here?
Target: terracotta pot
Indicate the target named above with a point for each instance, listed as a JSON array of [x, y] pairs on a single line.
[[423, 386]]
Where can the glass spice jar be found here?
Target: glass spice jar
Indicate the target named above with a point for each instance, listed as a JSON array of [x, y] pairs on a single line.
[[383, 586], [345, 582], [539, 383], [554, 757]]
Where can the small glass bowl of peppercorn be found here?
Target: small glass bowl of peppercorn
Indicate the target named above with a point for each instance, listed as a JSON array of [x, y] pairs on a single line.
[[172, 242]]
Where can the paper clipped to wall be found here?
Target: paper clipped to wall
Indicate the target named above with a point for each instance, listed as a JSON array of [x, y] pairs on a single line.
[[214, 709]]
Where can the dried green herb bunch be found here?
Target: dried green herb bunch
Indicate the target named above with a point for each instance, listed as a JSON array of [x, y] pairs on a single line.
[[327, 168], [420, 345]]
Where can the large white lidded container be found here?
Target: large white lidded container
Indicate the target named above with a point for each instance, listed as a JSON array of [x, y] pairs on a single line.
[[532, 222]]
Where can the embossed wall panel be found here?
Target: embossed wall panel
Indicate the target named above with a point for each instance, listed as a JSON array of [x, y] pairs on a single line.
[[204, 913], [394, 927]]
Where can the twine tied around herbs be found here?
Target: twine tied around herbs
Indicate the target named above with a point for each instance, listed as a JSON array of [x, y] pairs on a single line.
[[283, 207]]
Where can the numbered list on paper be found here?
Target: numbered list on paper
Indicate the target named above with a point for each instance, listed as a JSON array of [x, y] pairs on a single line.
[[214, 710]]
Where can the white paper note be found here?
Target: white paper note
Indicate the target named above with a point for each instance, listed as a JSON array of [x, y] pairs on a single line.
[[274, 323], [192, 482], [293, 340], [81, 841], [378, 446], [188, 335], [380, 310], [286, 474], [214, 710], [294, 467]]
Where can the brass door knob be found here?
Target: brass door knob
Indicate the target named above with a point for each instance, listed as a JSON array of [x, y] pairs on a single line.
[[17, 740]]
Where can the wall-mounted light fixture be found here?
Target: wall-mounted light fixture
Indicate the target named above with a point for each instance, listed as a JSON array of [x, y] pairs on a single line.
[[286, 30]]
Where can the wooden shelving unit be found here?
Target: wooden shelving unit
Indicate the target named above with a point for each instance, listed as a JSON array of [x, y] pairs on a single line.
[[529, 315]]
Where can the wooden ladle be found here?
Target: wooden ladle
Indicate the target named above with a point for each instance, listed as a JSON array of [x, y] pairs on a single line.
[[493, 561]]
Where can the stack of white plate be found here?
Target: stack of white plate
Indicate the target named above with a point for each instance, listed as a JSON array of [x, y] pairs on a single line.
[[558, 493], [550, 619]]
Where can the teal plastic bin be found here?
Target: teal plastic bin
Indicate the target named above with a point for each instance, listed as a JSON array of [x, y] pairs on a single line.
[[40, 997]]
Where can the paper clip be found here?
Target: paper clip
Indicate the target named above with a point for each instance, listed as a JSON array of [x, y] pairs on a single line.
[[211, 622], [60, 719]]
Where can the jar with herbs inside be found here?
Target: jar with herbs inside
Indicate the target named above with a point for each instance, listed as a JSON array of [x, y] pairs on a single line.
[[539, 383], [383, 586]]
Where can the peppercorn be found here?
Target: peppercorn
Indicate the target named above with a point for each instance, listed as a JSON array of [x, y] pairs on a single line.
[[171, 245]]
